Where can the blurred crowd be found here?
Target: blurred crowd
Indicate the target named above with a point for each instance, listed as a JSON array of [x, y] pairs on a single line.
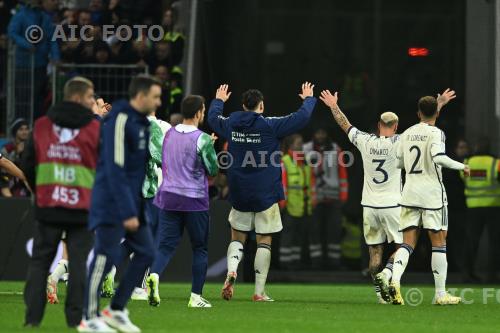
[[72, 19], [162, 58]]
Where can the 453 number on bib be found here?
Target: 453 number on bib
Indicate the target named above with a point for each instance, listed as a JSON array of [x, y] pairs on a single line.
[[66, 195]]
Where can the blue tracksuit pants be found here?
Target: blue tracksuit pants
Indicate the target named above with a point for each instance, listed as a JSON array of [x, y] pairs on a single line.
[[171, 229], [108, 252]]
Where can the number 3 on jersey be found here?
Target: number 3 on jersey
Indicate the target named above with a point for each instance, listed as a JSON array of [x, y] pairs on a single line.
[[379, 169]]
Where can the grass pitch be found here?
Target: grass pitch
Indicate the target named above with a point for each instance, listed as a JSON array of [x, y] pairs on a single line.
[[298, 308]]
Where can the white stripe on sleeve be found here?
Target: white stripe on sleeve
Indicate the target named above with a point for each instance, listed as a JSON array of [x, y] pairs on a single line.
[[121, 121]]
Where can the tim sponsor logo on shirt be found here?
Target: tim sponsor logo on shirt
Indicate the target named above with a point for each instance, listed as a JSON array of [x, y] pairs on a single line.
[[245, 137]]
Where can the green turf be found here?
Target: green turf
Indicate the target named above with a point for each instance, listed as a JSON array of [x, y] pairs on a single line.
[[298, 308]]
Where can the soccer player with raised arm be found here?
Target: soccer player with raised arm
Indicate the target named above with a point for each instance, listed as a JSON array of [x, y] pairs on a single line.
[[424, 203], [381, 189], [255, 187]]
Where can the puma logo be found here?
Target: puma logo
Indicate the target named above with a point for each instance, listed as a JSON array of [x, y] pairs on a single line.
[[235, 257], [399, 262], [435, 272]]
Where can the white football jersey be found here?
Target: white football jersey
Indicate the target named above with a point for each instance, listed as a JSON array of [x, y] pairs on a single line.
[[424, 182], [382, 177]]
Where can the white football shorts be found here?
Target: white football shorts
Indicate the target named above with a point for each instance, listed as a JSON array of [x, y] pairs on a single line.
[[265, 222]]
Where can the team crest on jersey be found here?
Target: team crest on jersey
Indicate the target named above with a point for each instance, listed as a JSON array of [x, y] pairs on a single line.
[[65, 134]]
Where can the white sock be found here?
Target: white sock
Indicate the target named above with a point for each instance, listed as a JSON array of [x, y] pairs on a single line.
[[261, 266], [234, 256], [439, 266], [60, 270], [388, 268], [400, 261], [196, 296], [146, 274]]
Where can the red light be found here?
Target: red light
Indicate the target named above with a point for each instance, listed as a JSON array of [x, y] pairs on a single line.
[[418, 52]]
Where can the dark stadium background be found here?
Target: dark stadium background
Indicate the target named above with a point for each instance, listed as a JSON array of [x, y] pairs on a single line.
[[275, 45]]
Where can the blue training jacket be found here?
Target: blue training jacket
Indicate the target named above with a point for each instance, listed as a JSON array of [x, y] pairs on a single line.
[[46, 48], [123, 156], [254, 176]]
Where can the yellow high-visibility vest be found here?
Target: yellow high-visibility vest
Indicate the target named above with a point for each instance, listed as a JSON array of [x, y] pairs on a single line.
[[299, 192], [174, 93], [482, 188], [172, 36]]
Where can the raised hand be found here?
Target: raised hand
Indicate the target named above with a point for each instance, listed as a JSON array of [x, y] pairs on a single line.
[[214, 138], [467, 171], [445, 97], [329, 99], [103, 107], [107, 107], [100, 107], [307, 90], [222, 93]]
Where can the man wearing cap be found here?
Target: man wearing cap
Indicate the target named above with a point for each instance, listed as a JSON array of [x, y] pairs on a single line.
[[381, 189]]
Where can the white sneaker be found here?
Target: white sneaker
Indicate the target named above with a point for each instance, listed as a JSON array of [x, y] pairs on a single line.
[[119, 320], [94, 325], [262, 298], [446, 299], [228, 288], [152, 282], [382, 301], [382, 282], [139, 294], [196, 301]]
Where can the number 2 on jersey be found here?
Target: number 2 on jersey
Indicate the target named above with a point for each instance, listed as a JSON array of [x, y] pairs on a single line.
[[417, 158], [379, 169]]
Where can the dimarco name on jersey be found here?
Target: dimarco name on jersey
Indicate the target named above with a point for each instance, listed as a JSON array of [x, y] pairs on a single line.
[[379, 151]]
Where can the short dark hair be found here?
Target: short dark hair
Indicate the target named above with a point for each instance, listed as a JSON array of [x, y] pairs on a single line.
[[191, 105], [142, 83], [251, 98], [289, 141], [76, 86], [427, 105]]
